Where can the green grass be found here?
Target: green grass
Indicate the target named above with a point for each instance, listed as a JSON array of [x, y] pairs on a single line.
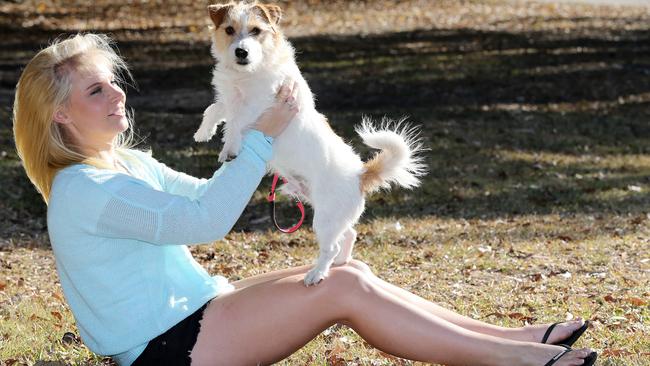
[[536, 207]]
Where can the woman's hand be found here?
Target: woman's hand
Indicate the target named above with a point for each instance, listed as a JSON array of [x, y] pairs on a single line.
[[275, 119]]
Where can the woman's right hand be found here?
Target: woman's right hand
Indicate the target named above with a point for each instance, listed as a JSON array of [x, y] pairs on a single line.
[[275, 119]]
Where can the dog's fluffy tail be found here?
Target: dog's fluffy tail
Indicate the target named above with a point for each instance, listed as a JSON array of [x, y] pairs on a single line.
[[399, 161]]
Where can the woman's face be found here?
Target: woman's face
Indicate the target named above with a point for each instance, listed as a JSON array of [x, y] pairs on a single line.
[[95, 113]]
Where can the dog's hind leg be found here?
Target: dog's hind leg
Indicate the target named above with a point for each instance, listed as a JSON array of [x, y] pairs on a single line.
[[349, 237], [328, 228], [347, 243]]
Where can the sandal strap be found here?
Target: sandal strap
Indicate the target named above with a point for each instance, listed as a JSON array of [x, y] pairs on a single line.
[[559, 355], [548, 332], [569, 341]]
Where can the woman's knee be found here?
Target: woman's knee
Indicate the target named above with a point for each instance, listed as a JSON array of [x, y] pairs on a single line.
[[348, 279]]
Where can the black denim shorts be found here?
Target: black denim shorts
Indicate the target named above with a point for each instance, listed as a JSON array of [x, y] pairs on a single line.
[[174, 346]]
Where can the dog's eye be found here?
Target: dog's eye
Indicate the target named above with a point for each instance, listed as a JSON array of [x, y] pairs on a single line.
[[255, 31], [230, 31]]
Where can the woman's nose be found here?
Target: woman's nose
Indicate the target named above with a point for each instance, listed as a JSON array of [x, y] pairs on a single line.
[[117, 94]]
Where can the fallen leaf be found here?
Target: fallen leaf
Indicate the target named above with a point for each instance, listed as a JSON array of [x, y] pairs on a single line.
[[638, 220], [334, 357], [636, 301], [35, 317], [336, 360], [610, 298], [616, 352], [520, 316]]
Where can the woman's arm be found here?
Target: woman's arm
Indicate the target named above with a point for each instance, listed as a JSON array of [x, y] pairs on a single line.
[[183, 184], [100, 202], [180, 183], [119, 206]]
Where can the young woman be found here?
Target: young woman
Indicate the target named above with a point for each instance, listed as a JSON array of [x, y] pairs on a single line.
[[119, 222]]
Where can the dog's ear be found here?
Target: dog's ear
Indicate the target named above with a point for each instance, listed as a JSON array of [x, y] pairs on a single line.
[[272, 13], [218, 13]]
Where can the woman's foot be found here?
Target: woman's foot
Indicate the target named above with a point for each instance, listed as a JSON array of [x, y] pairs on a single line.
[[559, 333], [563, 356], [536, 354]]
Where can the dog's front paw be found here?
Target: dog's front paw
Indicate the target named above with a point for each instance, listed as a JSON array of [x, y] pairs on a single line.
[[204, 133], [314, 276], [209, 124], [223, 156]]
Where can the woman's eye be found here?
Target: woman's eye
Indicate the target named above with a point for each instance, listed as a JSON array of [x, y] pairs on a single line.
[[95, 91], [255, 31], [230, 31]]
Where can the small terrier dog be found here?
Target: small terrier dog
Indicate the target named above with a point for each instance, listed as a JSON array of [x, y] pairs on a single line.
[[253, 58]]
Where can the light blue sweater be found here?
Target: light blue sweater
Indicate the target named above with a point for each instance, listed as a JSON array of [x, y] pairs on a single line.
[[120, 242]]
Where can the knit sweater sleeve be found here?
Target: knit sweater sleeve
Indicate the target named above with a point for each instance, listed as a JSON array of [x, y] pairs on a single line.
[[120, 206], [176, 182]]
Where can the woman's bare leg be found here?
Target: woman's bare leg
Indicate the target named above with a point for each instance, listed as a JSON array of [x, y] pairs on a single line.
[[270, 276], [533, 333], [267, 321]]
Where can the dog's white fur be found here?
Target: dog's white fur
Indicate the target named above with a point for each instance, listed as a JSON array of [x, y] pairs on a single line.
[[321, 168]]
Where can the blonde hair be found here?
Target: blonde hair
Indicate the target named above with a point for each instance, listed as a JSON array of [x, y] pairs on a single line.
[[44, 85]]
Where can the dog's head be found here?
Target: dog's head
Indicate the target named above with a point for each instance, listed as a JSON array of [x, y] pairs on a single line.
[[244, 34]]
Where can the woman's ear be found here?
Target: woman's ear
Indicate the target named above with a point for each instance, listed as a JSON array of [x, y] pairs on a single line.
[[61, 116]]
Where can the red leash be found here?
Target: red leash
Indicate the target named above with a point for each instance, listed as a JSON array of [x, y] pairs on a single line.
[[271, 199]]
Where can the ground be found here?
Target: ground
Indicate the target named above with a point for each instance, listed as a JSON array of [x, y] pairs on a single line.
[[536, 207]]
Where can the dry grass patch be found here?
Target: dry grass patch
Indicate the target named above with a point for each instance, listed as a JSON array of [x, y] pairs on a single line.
[[513, 271]]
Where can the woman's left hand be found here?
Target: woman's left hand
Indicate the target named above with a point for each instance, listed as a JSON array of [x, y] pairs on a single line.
[[276, 119]]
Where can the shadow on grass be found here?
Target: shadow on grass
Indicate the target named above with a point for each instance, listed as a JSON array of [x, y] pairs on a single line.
[[518, 123]]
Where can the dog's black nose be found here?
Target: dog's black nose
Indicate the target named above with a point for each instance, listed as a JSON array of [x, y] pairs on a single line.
[[241, 53]]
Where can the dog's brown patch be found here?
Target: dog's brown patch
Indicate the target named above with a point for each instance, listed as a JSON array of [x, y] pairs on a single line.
[[262, 16], [271, 13], [371, 177], [218, 13]]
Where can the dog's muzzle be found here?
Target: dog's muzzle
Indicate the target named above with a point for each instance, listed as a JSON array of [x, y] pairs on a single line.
[[241, 54]]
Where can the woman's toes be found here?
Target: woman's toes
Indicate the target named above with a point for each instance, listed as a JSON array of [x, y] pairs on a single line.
[[564, 330], [579, 355]]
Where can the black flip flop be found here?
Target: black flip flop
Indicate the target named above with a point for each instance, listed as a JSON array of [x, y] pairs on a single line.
[[571, 339], [590, 360]]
